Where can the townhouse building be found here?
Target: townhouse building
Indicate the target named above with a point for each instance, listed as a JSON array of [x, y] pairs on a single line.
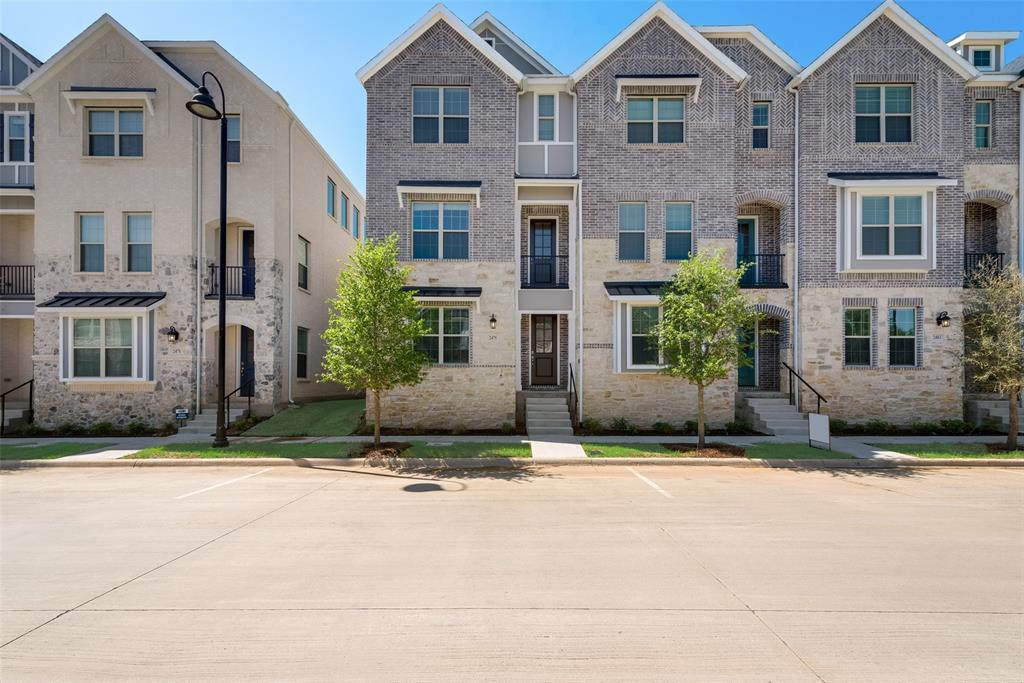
[[542, 212], [110, 229]]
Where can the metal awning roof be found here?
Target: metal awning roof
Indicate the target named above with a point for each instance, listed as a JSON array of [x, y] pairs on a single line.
[[637, 288], [889, 179], [126, 300], [440, 183], [445, 292]]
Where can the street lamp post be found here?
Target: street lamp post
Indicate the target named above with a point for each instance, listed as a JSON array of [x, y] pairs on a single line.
[[203, 106]]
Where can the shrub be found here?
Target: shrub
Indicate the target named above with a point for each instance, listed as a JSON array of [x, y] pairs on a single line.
[[67, 429], [992, 424], [169, 428], [507, 428], [622, 424], [925, 427], [837, 425], [956, 427], [137, 428], [589, 424], [29, 430], [458, 429], [877, 426], [101, 429], [738, 427], [690, 427], [662, 427]]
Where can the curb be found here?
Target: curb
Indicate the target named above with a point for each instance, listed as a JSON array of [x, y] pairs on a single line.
[[520, 463]]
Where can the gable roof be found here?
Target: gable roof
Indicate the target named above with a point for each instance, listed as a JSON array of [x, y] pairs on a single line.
[[913, 28], [437, 13], [514, 41], [24, 54], [760, 41], [83, 41], [660, 10]]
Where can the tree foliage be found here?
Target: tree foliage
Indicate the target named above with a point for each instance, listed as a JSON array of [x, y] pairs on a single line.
[[374, 324]]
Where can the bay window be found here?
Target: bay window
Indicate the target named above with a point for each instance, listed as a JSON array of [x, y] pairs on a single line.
[[891, 225]]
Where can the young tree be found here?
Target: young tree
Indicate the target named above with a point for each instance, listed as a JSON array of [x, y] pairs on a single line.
[[703, 311], [994, 336], [374, 324]]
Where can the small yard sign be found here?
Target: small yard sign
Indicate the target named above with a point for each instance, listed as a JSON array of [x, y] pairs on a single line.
[[818, 431], [181, 415]]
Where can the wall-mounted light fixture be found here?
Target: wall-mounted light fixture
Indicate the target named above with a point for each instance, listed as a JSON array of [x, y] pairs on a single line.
[[494, 322], [172, 334], [943, 319]]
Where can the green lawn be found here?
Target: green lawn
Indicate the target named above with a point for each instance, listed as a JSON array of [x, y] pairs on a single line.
[[324, 418], [47, 451], [252, 450], [420, 449], [793, 451], [948, 450], [653, 450], [629, 450]]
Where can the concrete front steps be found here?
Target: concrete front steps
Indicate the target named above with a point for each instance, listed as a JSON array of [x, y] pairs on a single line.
[[15, 414], [548, 415], [980, 411], [205, 424], [771, 413]]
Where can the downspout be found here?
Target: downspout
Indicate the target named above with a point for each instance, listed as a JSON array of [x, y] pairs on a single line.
[[579, 250], [198, 342], [1020, 181], [291, 265], [796, 238]]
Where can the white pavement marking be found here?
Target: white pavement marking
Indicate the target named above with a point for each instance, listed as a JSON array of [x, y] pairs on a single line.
[[223, 483], [650, 483]]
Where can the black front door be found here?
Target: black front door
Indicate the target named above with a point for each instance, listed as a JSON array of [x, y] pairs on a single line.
[[248, 264], [247, 364], [542, 252], [544, 356]]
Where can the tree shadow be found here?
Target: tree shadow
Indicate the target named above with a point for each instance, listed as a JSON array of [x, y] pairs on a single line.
[[436, 470], [879, 470]]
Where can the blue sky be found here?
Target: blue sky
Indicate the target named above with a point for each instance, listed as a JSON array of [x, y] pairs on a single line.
[[310, 51]]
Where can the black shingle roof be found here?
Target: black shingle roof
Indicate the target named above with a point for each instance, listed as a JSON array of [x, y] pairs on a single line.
[[439, 183]]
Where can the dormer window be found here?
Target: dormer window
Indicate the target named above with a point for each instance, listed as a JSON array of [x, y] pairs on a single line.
[[983, 57]]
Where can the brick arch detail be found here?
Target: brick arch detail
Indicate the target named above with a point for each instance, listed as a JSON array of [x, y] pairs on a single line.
[[993, 198], [773, 198], [782, 315]]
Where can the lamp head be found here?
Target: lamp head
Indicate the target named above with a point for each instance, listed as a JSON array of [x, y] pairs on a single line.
[[203, 106]]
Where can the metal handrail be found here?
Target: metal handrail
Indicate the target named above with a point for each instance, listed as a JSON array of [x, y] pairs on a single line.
[[31, 402], [573, 417], [240, 281], [227, 399], [17, 281], [792, 387], [544, 272]]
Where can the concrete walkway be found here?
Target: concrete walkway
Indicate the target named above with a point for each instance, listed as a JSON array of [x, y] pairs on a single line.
[[554, 448]]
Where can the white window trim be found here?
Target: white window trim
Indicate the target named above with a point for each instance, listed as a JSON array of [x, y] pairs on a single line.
[[239, 140], [440, 116], [871, 360], [991, 49], [882, 113], [987, 126], [629, 336], [654, 121], [441, 334], [619, 231], [79, 243], [440, 229], [332, 199], [926, 219], [8, 115], [94, 314], [116, 133], [537, 117], [490, 41], [677, 231], [125, 256], [767, 127]]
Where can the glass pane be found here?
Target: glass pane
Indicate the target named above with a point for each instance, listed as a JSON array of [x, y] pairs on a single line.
[[982, 58], [759, 115], [456, 245], [456, 321], [644, 319], [424, 101], [897, 129], [902, 322], [546, 105], [677, 246], [760, 138], [131, 146], [869, 100], [119, 362], [858, 351], [875, 211], [119, 332], [424, 129], [897, 100], [869, 129], [86, 363], [678, 216], [87, 333], [140, 258], [546, 129], [234, 127], [456, 101], [908, 210], [670, 132], [640, 109], [429, 346], [632, 216], [981, 137], [101, 145], [857, 322], [90, 228], [303, 276], [640, 132], [982, 112], [670, 109], [429, 316], [907, 241], [301, 364], [17, 127], [456, 349], [424, 216], [424, 245], [302, 340], [303, 251], [101, 122], [234, 152], [645, 351], [456, 216], [902, 352], [631, 246], [129, 121], [140, 228], [456, 129], [16, 150], [875, 241], [91, 258]]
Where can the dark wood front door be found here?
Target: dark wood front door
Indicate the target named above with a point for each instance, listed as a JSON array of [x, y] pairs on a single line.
[[544, 351]]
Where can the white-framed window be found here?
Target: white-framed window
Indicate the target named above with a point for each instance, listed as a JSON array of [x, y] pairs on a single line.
[[91, 237], [102, 347], [546, 118], [115, 132], [489, 40], [903, 337], [440, 114], [642, 351], [440, 230], [983, 124], [332, 198], [302, 257], [883, 113], [760, 121], [857, 337], [632, 231], [446, 341], [301, 352], [678, 230], [344, 210], [138, 240], [655, 120], [16, 131], [983, 57], [234, 148], [891, 226]]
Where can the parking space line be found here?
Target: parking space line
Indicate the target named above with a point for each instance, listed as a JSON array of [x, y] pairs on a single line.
[[650, 483], [223, 483]]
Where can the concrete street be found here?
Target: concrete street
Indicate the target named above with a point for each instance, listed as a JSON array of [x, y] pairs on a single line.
[[555, 573]]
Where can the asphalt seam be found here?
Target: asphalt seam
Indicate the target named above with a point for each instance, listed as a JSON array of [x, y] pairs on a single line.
[[170, 561]]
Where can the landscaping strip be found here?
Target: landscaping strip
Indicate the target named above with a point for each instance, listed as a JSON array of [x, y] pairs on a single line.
[[47, 451], [323, 418], [250, 450], [951, 450], [770, 451]]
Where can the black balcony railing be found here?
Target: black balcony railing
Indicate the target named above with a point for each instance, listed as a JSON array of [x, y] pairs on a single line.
[[974, 262], [764, 271], [17, 282], [241, 282], [545, 272]]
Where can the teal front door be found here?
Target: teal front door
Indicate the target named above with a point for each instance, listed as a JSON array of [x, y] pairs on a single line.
[[747, 372], [746, 248]]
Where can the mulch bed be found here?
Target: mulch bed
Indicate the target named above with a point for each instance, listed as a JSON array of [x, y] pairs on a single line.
[[997, 447], [711, 450], [387, 450]]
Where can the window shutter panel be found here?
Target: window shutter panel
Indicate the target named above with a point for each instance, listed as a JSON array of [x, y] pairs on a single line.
[[3, 146], [31, 137]]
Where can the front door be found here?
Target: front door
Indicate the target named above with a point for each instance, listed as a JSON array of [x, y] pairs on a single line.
[[247, 364], [746, 248], [542, 252], [544, 357], [248, 264], [747, 371]]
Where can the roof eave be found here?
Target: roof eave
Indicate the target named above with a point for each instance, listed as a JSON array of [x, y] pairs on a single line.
[[522, 46]]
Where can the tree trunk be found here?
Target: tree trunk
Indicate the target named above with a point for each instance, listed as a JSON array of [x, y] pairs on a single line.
[[376, 419], [700, 417], [1011, 436]]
